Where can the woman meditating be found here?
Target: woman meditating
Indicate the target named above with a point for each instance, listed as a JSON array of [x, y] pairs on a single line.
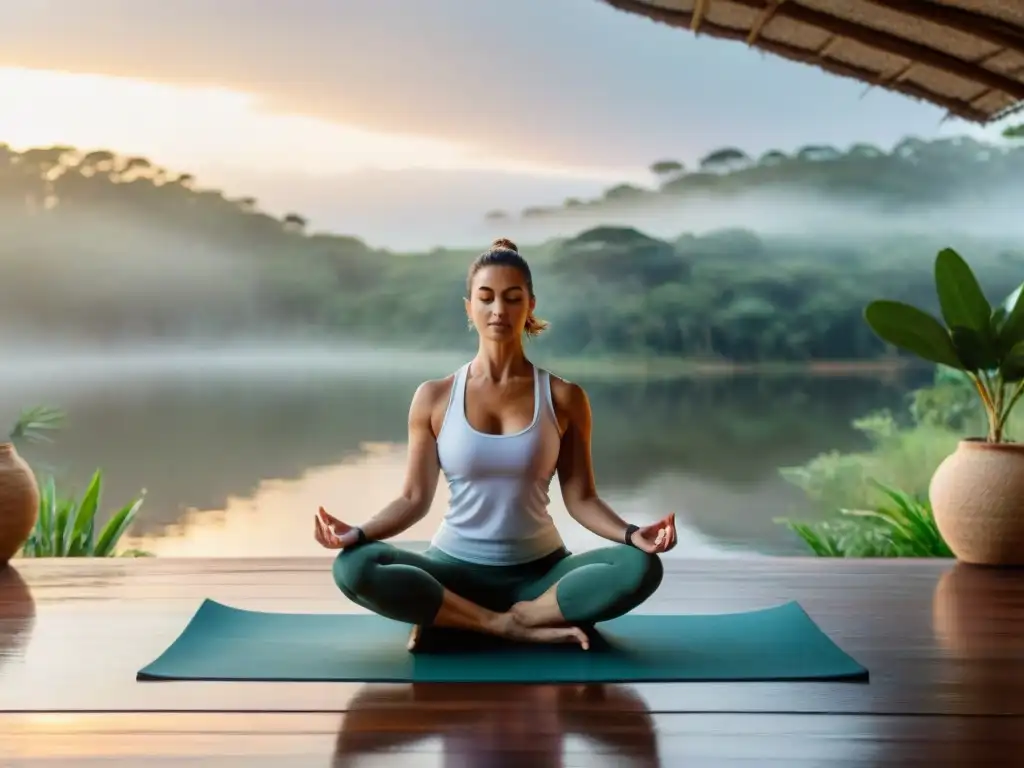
[[499, 428]]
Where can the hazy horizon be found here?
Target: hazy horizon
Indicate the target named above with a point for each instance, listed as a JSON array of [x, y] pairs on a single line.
[[407, 128]]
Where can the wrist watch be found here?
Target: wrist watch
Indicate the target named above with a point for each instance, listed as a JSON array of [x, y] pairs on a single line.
[[630, 530]]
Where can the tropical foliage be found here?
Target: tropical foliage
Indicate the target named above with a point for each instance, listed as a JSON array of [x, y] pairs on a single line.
[[984, 342], [859, 512], [68, 526], [35, 424], [903, 527]]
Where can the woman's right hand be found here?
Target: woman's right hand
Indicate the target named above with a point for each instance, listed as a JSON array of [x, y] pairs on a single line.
[[332, 533]]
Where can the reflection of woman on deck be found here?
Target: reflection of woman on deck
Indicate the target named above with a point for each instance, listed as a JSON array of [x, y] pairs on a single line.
[[485, 726], [499, 428]]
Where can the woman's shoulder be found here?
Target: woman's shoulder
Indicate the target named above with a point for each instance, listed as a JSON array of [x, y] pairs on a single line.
[[430, 402], [568, 396], [433, 391]]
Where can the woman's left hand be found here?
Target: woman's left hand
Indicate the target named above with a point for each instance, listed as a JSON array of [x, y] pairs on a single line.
[[657, 537]]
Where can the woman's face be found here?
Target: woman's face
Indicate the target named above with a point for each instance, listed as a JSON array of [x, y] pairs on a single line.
[[499, 303]]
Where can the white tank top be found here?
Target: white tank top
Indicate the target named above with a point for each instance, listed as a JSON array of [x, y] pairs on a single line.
[[498, 512]]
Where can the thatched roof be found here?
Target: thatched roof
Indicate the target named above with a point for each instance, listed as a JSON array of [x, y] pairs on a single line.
[[966, 56]]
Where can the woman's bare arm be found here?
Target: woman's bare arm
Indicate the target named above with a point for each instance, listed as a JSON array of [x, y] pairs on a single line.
[[575, 466], [422, 468], [579, 489]]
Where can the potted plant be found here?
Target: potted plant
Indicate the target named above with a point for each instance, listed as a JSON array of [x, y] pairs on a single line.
[[977, 492]]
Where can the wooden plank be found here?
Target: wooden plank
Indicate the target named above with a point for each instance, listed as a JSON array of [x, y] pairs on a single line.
[[937, 639], [536, 732]]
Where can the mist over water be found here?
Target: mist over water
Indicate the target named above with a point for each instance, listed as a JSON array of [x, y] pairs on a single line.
[[236, 446], [117, 253], [791, 213], [118, 265], [421, 210], [41, 364]]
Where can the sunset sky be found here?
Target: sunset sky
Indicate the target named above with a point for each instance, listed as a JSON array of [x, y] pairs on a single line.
[[486, 103]]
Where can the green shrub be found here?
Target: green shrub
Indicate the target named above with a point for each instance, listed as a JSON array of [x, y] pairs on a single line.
[[67, 526], [861, 513], [903, 527]]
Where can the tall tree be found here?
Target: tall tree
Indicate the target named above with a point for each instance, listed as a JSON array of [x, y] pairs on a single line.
[[666, 168], [725, 159]]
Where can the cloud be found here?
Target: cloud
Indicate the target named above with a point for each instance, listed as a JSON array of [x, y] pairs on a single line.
[[572, 82]]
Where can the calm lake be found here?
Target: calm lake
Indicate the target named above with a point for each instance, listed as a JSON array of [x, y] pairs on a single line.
[[237, 448]]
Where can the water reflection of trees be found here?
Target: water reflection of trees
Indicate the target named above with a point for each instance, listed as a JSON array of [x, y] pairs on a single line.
[[195, 444], [732, 430]]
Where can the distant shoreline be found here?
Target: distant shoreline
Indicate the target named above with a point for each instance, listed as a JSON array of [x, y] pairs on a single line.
[[289, 356], [673, 368]]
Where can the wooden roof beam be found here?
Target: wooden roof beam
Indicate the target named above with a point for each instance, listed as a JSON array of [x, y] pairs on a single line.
[[683, 20], [766, 15], [992, 30], [700, 10], [883, 41]]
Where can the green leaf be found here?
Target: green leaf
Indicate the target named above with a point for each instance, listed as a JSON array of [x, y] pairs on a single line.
[[33, 423], [976, 351], [999, 315], [1012, 367], [80, 544], [45, 545], [914, 330], [1011, 301], [1012, 330], [61, 527], [960, 295], [115, 528]]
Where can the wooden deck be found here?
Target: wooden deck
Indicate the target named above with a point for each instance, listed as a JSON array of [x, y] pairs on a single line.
[[944, 644]]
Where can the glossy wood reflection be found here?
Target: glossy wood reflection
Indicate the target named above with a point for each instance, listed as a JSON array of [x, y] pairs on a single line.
[[944, 644]]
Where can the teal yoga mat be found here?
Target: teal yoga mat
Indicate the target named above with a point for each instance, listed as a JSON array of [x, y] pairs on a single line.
[[781, 643]]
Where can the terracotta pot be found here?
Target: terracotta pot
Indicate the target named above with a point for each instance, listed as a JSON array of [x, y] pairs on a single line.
[[19, 501], [977, 495]]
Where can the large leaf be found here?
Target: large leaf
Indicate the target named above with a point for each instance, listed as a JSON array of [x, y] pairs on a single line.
[[914, 330], [1012, 330], [116, 527], [975, 350], [960, 297], [1011, 301], [999, 315], [1012, 367]]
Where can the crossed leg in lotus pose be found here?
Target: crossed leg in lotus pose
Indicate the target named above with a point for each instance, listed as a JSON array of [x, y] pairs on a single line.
[[547, 600]]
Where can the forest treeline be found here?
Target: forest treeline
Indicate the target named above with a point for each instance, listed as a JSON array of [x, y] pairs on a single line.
[[101, 246], [915, 174]]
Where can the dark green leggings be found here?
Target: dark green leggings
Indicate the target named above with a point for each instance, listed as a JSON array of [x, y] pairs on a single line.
[[408, 586]]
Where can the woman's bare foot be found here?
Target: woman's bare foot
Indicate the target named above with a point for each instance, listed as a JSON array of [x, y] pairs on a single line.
[[513, 629], [532, 614], [414, 638]]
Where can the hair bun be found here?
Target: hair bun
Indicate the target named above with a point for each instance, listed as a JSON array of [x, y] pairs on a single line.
[[504, 242]]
